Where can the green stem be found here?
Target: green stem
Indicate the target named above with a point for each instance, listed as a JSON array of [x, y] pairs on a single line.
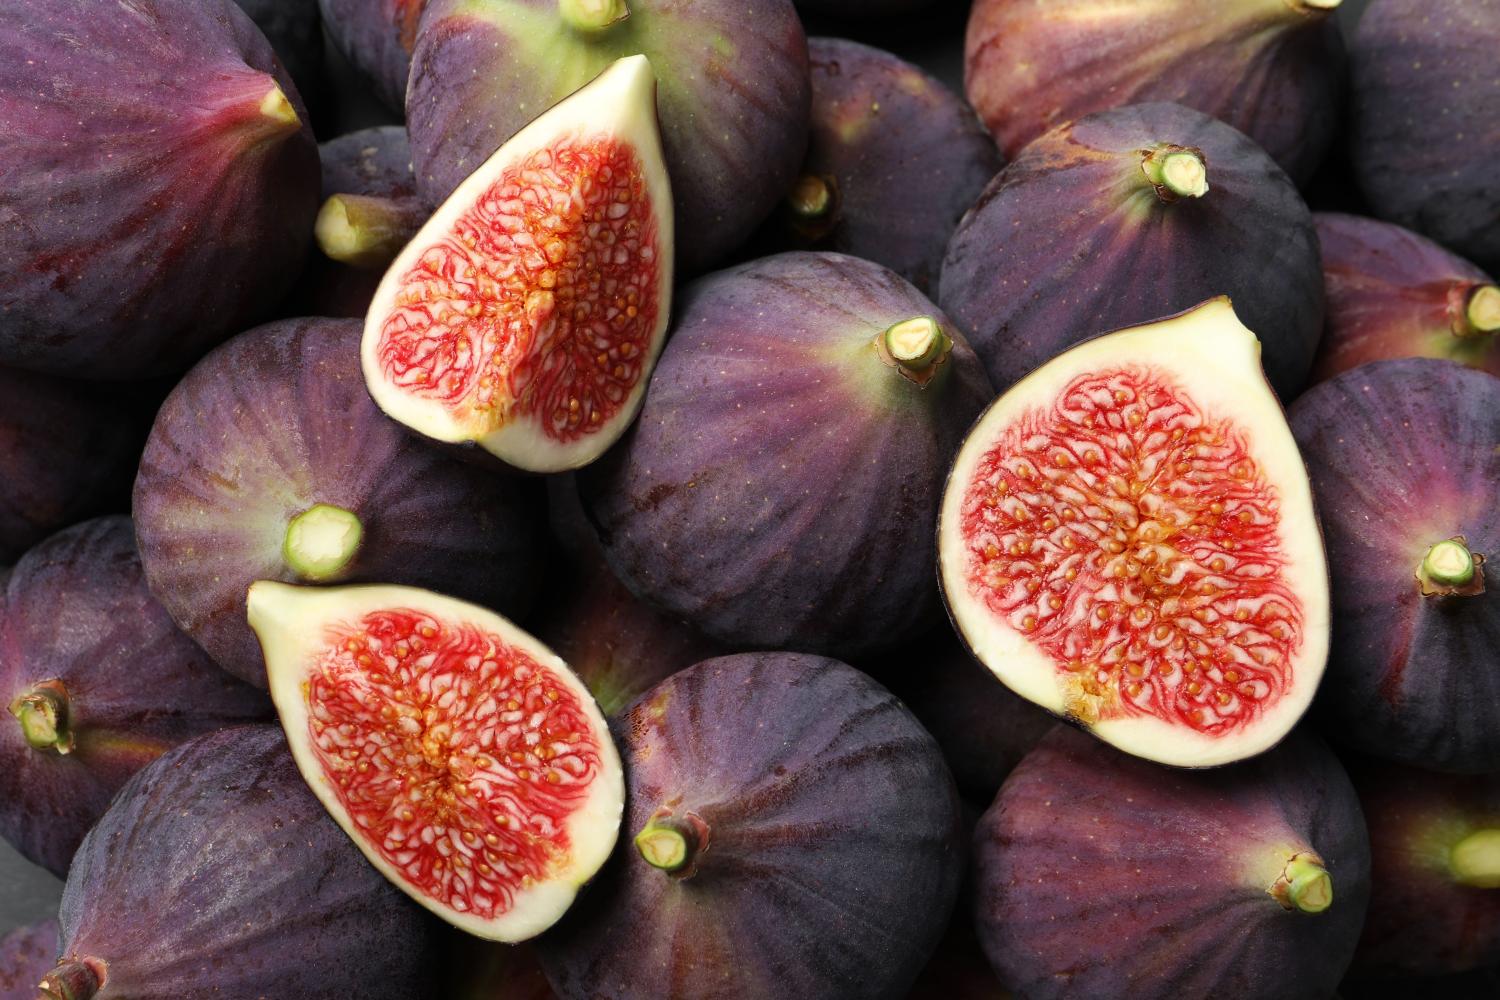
[[1176, 172], [71, 980], [43, 711], [362, 231], [915, 347], [278, 109], [321, 542], [1451, 569], [1475, 860], [1304, 885], [673, 843], [1482, 311], [592, 15], [811, 198], [1309, 6]]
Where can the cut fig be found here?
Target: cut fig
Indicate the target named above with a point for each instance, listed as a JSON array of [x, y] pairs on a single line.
[[26, 955], [1128, 540], [527, 313], [463, 757]]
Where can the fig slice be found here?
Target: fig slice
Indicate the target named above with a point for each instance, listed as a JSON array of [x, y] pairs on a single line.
[[527, 313], [465, 759], [1127, 539]]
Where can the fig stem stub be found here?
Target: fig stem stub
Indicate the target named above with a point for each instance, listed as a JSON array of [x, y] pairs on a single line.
[[1316, 5], [43, 714], [1483, 309], [71, 980], [593, 15], [322, 541], [915, 347], [359, 230], [1176, 172], [811, 198], [1304, 885], [1475, 860], [673, 843], [278, 109], [1450, 569]]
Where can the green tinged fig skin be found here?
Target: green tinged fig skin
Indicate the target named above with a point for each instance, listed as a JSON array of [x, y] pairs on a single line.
[[278, 422], [1102, 875], [1426, 120], [160, 190], [216, 872], [95, 683], [828, 852], [1072, 239], [795, 467], [732, 93], [1405, 454], [377, 37], [26, 955], [1274, 69]]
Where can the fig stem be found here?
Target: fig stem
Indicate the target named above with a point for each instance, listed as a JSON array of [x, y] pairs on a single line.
[[71, 980], [593, 15], [673, 843], [360, 231], [1483, 309], [915, 347], [322, 541], [1449, 563], [1176, 172], [811, 199], [1475, 860], [1309, 886], [43, 711], [277, 108]]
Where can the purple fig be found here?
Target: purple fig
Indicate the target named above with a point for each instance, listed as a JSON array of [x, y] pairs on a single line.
[[295, 32], [26, 955], [377, 37]]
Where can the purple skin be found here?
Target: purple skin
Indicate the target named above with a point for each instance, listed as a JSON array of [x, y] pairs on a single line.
[[26, 955], [833, 842], [1073, 240], [377, 37], [773, 410], [1405, 454], [1426, 122], [79, 629], [218, 873], [276, 422], [732, 92], [1102, 875], [163, 209]]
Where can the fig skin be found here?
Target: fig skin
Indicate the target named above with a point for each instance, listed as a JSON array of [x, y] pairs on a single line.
[[1404, 454], [76, 610], [1425, 131], [163, 208], [732, 93], [771, 410], [377, 37], [26, 955], [1101, 875], [278, 421], [1071, 240], [834, 845], [216, 872], [1273, 69]]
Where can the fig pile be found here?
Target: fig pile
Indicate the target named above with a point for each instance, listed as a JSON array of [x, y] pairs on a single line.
[[750, 499]]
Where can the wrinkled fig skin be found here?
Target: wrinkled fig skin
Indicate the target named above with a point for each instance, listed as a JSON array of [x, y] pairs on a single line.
[[1274, 69], [377, 37], [75, 609], [218, 873], [1105, 876], [834, 843], [732, 92], [26, 955], [771, 411], [1404, 454], [153, 208], [1426, 116], [278, 421], [1071, 240], [296, 34]]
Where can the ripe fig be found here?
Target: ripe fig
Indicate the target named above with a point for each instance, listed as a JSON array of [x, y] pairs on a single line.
[[528, 311], [1127, 216], [1405, 462], [295, 32], [465, 759], [269, 461], [809, 848], [26, 955], [1128, 539], [377, 37]]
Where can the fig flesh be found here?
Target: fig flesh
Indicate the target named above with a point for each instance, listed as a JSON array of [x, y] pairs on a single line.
[[26, 955]]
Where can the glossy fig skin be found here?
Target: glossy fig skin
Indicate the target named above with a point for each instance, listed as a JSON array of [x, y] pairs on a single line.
[[1273, 69], [76, 609], [155, 207], [1071, 240], [1102, 875], [1404, 454], [218, 873], [1426, 120], [377, 37], [278, 421], [772, 411], [834, 842], [26, 955]]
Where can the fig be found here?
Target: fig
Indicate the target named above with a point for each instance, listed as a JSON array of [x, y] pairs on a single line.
[[811, 402], [809, 848], [1405, 462], [528, 311], [295, 32], [377, 37], [1395, 294], [1273, 69], [1128, 540], [26, 955], [159, 180], [1127, 216], [216, 873], [733, 96], [269, 461], [465, 759], [1423, 136], [1103, 876], [97, 682]]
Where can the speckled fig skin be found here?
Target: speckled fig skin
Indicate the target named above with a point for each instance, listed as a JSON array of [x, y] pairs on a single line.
[[377, 37], [218, 873], [75, 609], [1105, 876], [295, 32], [1274, 69], [773, 413], [1071, 240], [833, 843], [26, 955], [732, 94], [1426, 120], [1404, 454], [278, 421], [153, 208]]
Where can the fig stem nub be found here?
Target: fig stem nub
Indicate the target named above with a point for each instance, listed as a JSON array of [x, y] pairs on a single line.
[[1317, 5], [1176, 172], [71, 980], [356, 230], [1475, 860], [1483, 309], [277, 108], [1309, 888], [322, 541], [1449, 563], [672, 843], [42, 711], [811, 198], [593, 15], [915, 347]]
